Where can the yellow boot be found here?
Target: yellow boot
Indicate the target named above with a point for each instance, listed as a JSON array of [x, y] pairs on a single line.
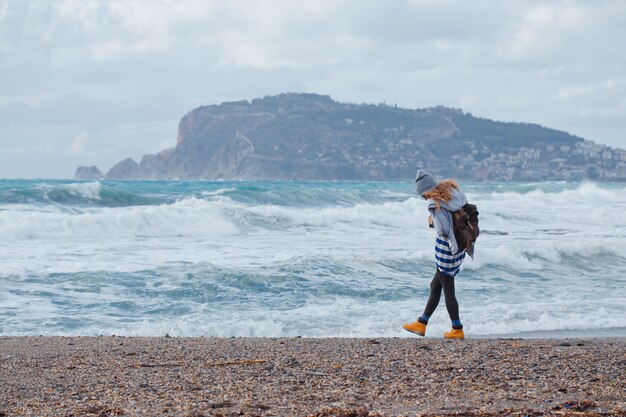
[[454, 334], [416, 327]]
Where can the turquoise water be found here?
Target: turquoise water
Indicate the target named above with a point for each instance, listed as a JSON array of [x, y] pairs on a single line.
[[194, 258]]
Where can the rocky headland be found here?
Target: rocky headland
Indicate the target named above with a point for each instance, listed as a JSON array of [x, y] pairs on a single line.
[[312, 137]]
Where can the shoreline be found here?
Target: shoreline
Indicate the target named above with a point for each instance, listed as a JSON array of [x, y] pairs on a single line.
[[136, 376], [611, 333]]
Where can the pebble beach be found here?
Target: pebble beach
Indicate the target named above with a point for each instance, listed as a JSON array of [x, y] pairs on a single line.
[[133, 376]]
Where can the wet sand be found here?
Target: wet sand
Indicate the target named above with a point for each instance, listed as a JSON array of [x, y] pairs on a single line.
[[106, 376]]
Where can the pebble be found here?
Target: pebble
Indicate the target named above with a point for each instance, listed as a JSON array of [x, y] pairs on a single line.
[[105, 376]]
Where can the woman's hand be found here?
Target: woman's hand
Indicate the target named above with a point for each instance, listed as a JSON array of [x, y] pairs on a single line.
[[430, 221]]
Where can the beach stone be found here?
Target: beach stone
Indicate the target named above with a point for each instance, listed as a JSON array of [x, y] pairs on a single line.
[[300, 377]]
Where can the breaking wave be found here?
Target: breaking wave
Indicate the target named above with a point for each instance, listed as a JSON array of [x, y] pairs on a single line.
[[73, 194], [294, 258]]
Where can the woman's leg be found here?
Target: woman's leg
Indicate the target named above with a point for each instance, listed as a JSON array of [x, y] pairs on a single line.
[[433, 298], [452, 305]]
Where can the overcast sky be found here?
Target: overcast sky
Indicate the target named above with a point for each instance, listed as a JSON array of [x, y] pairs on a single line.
[[87, 82]]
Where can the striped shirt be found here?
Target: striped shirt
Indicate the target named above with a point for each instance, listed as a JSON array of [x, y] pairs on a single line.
[[447, 262]]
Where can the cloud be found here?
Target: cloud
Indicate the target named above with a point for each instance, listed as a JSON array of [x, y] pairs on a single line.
[[4, 10], [543, 29], [27, 150], [15, 150], [78, 145], [122, 66], [578, 91]]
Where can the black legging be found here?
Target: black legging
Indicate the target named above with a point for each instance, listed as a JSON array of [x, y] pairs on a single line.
[[441, 280]]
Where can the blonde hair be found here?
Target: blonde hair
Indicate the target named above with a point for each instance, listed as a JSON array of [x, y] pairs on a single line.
[[442, 192]]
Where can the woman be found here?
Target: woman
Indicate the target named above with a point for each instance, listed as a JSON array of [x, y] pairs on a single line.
[[444, 198]]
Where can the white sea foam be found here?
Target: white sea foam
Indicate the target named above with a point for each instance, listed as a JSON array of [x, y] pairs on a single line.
[[332, 318], [86, 190], [221, 191], [190, 216], [89, 190], [387, 214], [222, 265]]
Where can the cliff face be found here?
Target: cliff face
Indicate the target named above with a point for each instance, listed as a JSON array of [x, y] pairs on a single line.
[[309, 136]]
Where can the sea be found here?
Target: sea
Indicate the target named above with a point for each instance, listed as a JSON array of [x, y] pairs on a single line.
[[310, 259]]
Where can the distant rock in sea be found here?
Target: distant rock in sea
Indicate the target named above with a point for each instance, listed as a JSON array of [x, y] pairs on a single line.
[[312, 137], [88, 173], [126, 169]]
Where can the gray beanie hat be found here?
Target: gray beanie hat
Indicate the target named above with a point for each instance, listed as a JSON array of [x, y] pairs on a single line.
[[424, 182]]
